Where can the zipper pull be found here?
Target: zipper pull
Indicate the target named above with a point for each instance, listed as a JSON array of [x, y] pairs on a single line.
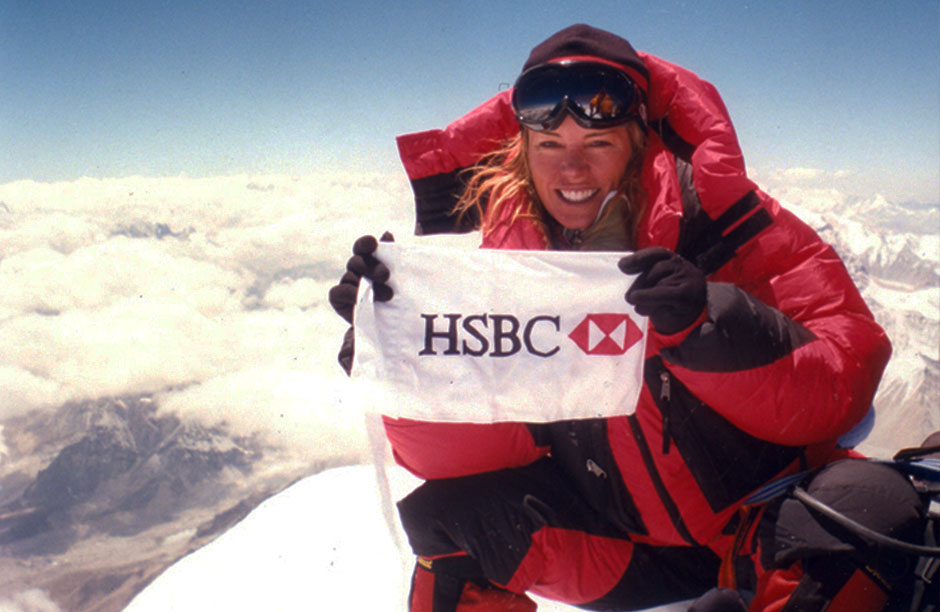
[[665, 395], [596, 469]]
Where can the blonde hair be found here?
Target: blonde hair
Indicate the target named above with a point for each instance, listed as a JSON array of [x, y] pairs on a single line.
[[503, 178]]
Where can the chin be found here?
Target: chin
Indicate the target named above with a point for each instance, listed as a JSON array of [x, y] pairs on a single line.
[[577, 223], [576, 226]]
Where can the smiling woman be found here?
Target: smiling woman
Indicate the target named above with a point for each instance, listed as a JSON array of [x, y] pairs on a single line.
[[617, 150]]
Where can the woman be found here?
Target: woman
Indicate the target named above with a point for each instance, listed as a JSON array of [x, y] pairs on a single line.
[[761, 354]]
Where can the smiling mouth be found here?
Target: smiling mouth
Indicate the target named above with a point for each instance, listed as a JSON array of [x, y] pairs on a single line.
[[576, 196]]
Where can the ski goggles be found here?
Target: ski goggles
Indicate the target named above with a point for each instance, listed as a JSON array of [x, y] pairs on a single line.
[[594, 94]]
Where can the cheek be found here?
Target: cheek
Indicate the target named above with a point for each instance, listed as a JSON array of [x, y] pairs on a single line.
[[541, 169], [610, 169], [540, 166]]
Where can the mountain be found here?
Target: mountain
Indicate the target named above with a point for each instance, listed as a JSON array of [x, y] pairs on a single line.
[[119, 492], [893, 255]]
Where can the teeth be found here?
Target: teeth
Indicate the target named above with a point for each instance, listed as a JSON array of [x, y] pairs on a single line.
[[577, 195]]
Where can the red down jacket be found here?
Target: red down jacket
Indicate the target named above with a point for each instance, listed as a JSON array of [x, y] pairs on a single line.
[[786, 358]]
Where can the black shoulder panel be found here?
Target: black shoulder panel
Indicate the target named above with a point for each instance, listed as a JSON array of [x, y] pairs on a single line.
[[675, 143], [707, 242], [435, 198]]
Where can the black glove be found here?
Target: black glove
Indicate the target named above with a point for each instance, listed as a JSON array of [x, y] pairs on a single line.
[[670, 290], [347, 350], [363, 263]]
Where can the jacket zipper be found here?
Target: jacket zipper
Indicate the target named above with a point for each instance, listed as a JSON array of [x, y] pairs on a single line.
[[665, 396], [672, 510]]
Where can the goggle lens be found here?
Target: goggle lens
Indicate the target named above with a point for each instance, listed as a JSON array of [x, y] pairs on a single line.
[[595, 95]]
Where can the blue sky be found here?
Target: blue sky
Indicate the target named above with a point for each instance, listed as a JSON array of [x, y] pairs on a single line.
[[160, 88]]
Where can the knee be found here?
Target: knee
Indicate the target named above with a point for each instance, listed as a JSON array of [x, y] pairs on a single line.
[[873, 495], [421, 514]]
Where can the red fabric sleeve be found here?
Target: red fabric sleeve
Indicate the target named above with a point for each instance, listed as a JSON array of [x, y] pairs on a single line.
[[447, 450], [461, 143], [697, 113], [822, 388]]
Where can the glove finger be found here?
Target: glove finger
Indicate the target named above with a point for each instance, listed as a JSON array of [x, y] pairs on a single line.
[[343, 294], [343, 300], [642, 260], [347, 351], [357, 265], [664, 272], [365, 245], [661, 294], [387, 237], [644, 310], [652, 309], [350, 278], [369, 267], [380, 273], [382, 292]]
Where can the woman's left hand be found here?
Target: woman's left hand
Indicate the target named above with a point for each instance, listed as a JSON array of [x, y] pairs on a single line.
[[669, 290]]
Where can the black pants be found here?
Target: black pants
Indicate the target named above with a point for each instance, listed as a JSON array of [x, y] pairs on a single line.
[[500, 525], [494, 517]]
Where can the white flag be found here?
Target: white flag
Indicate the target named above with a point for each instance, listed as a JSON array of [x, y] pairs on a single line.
[[485, 336]]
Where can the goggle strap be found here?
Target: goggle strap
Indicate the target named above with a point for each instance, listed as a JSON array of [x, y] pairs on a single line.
[[633, 73]]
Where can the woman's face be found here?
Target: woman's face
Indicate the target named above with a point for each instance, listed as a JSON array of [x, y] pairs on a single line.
[[574, 168]]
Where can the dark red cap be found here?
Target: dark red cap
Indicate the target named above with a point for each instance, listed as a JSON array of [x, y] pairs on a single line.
[[583, 42]]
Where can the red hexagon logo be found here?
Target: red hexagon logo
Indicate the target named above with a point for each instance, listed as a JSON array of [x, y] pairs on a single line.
[[606, 334]]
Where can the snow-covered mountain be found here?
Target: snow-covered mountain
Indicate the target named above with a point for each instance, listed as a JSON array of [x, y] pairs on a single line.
[[119, 492], [167, 363], [893, 254]]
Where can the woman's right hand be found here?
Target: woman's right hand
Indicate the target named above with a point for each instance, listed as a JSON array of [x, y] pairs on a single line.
[[343, 296]]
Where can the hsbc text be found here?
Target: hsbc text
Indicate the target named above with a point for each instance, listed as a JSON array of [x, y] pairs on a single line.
[[478, 335]]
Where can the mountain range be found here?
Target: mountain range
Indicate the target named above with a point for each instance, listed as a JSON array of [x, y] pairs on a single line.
[[99, 496]]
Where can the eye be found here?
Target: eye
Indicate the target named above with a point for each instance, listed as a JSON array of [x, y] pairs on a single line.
[[599, 143], [548, 144]]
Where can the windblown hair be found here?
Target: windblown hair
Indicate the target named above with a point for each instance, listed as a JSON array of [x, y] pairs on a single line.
[[503, 178]]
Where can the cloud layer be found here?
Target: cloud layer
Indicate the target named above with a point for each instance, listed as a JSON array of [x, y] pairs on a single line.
[[210, 292]]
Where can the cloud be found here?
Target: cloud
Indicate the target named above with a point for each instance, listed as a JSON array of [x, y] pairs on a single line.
[[44, 280], [32, 600], [137, 285], [853, 183], [801, 174], [316, 414], [22, 391], [301, 293]]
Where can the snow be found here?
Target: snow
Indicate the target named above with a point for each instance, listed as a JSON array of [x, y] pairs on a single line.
[[323, 539], [322, 544]]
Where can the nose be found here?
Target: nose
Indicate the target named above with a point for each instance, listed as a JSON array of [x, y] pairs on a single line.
[[574, 160]]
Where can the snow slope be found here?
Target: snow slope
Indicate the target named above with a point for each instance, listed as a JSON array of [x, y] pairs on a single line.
[[322, 540], [322, 544]]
